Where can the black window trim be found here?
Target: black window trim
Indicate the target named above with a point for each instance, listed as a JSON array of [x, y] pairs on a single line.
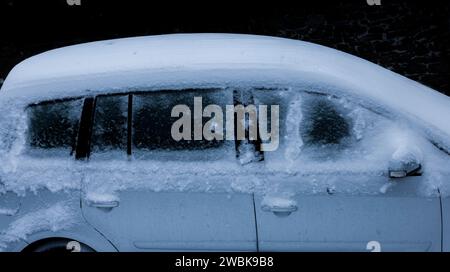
[[130, 125], [83, 146]]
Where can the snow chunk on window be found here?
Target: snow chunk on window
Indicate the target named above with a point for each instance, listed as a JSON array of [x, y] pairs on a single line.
[[293, 121]]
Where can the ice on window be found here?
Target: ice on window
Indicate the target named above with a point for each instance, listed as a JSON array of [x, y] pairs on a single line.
[[152, 126], [52, 127], [109, 132]]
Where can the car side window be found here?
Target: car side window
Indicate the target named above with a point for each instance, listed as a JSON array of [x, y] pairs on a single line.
[[326, 127], [109, 130], [53, 127], [152, 124], [319, 130], [324, 122]]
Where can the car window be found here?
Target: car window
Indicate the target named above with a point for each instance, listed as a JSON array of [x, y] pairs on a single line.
[[53, 127], [153, 121], [109, 130], [326, 126], [323, 129]]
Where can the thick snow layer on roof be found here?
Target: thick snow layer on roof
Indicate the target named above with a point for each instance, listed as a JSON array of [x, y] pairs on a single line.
[[202, 59]]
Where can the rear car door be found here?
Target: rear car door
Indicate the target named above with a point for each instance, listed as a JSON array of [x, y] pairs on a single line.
[[44, 175], [147, 192], [331, 189]]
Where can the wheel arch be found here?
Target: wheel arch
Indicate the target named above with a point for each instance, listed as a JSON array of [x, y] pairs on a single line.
[[85, 235]]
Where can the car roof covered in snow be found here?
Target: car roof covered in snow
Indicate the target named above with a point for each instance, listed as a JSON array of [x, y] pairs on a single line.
[[211, 58]]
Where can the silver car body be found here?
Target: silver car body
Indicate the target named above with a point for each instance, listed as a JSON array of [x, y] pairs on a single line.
[[158, 216]]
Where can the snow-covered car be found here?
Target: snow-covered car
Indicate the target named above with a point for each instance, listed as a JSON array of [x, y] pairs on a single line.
[[89, 162]]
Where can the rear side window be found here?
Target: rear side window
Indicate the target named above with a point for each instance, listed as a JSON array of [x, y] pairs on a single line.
[[53, 127], [109, 131]]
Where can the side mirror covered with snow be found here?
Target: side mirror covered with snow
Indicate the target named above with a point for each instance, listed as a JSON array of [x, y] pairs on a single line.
[[406, 161]]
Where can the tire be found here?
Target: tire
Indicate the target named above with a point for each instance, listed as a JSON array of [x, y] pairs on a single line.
[[58, 246]]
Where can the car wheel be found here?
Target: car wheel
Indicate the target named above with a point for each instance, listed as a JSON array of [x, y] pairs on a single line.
[[58, 246]]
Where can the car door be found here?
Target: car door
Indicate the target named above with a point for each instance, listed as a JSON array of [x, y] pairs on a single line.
[[330, 185], [45, 174], [147, 192]]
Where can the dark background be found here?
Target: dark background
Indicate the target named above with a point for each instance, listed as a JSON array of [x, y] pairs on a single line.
[[408, 37]]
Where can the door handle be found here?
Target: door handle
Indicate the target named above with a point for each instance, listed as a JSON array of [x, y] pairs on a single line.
[[279, 209], [278, 204], [104, 204]]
